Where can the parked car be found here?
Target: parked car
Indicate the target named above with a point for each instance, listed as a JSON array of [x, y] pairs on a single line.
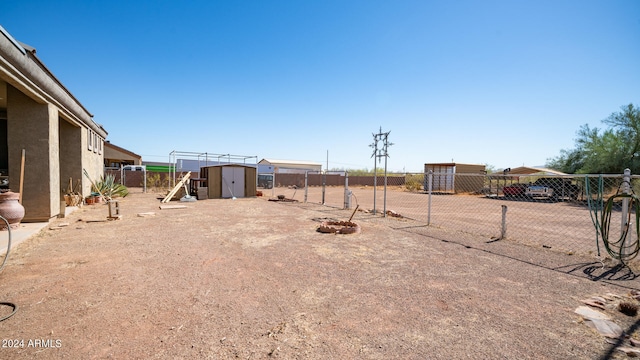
[[553, 188], [515, 190]]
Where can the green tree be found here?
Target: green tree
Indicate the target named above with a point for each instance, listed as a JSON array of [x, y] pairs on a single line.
[[608, 151]]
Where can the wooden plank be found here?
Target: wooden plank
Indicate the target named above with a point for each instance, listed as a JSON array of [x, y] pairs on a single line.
[[176, 188], [21, 188], [169, 207]]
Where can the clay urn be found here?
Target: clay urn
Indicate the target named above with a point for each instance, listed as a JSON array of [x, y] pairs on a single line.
[[10, 209]]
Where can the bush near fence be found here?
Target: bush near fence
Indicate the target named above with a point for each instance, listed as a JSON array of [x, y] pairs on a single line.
[[155, 179]]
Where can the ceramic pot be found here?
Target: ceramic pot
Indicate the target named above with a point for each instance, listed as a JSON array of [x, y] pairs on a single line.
[[10, 209]]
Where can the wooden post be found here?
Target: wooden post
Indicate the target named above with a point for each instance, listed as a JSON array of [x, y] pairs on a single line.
[[21, 176], [503, 232]]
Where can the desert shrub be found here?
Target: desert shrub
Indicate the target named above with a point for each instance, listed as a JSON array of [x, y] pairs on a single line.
[[157, 182], [109, 188], [413, 182]]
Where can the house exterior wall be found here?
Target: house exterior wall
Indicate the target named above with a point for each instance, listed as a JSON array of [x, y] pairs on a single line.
[[71, 150], [34, 128], [92, 159], [51, 126]]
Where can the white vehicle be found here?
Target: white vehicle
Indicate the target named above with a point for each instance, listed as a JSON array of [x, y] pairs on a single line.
[[553, 188], [539, 191]]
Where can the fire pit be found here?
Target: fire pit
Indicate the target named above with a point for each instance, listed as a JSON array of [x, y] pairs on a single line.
[[339, 227]]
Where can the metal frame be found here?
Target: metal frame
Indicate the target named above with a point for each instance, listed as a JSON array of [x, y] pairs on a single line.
[[206, 157]]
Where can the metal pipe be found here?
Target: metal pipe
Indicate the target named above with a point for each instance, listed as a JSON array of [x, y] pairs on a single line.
[[375, 181], [626, 189], [347, 194], [385, 183], [430, 187]]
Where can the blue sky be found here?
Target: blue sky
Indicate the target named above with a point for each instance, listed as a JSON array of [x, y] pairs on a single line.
[[504, 83]]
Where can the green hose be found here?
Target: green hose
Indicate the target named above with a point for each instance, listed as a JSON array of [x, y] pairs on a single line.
[[618, 249]]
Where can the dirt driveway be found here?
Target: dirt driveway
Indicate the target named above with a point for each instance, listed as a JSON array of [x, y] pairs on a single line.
[[252, 279]]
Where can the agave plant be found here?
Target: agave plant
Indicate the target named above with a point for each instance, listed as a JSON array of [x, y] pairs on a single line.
[[109, 188]]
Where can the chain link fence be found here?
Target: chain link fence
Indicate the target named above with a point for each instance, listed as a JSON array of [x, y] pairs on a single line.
[[553, 212], [561, 213]]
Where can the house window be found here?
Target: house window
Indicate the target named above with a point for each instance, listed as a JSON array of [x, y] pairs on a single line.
[[100, 148], [89, 139]]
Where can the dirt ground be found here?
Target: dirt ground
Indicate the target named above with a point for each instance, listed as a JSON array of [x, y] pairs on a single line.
[[253, 279]]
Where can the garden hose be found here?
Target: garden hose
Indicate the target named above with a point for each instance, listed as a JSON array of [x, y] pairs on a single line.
[[618, 249], [6, 256], [593, 209]]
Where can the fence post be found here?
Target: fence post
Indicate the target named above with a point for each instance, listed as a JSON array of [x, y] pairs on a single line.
[[347, 192], [503, 231], [273, 188], [324, 182], [626, 189], [429, 188], [306, 185]]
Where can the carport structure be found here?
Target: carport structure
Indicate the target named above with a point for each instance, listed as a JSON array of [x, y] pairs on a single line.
[[528, 170]]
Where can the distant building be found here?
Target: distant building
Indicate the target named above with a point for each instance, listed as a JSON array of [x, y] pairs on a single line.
[[291, 166], [116, 157]]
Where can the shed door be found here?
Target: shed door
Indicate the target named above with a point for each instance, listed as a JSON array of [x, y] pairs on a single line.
[[232, 181], [443, 178]]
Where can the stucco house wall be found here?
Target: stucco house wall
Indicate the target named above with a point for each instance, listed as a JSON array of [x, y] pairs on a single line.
[[58, 135]]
